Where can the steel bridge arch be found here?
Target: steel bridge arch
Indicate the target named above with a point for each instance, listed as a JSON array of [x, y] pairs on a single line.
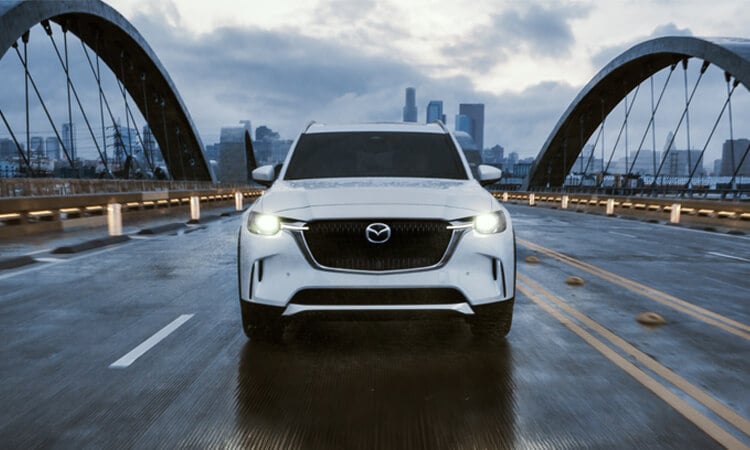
[[92, 21], [614, 82]]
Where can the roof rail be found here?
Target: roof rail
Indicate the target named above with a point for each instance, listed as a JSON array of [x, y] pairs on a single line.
[[312, 122], [442, 125]]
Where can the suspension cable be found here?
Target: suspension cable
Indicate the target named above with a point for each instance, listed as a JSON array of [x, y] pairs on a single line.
[[129, 114], [682, 117], [149, 158], [166, 154], [652, 123], [18, 145], [101, 91], [622, 128], [97, 76], [71, 86], [70, 109], [731, 134], [44, 106], [120, 82], [687, 112], [711, 134], [731, 130], [593, 150], [25, 39]]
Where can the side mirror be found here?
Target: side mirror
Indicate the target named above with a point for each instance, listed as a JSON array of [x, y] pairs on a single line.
[[488, 174], [264, 175]]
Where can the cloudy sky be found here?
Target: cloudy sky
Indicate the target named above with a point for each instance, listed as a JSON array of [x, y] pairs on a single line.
[[283, 63]]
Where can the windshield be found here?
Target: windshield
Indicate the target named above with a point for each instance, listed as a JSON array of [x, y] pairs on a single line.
[[373, 154]]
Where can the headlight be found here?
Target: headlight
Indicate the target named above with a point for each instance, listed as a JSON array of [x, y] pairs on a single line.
[[263, 224], [490, 223]]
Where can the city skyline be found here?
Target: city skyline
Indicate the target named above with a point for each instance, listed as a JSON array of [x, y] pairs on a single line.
[[287, 73], [336, 62]]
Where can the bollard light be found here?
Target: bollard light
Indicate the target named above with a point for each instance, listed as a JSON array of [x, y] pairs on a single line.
[[238, 201], [674, 215], [505, 197], [114, 219], [532, 199], [565, 201], [195, 209], [611, 207]]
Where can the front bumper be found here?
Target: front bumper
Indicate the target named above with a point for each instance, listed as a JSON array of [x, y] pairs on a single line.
[[274, 270]]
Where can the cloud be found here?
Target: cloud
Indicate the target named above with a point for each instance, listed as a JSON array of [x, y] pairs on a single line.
[[235, 73], [539, 30]]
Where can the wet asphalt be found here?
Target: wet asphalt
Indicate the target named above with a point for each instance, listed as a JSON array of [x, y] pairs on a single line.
[[383, 384]]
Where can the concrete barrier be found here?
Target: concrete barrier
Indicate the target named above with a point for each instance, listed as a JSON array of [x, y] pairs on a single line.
[[734, 215], [22, 216]]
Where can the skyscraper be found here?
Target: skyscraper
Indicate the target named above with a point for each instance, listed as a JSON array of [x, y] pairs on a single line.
[[731, 156], [410, 109], [233, 155], [435, 111], [476, 112], [53, 148], [69, 139], [465, 124]]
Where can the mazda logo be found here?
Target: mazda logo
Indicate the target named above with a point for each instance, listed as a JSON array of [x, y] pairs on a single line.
[[378, 233]]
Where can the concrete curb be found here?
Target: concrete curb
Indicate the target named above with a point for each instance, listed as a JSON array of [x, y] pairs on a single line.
[[88, 245], [166, 228], [15, 262]]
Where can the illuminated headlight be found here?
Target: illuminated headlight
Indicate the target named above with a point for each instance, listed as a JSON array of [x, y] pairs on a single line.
[[263, 224], [490, 223]]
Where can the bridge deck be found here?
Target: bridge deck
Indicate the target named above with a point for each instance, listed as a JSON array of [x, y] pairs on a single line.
[[577, 369]]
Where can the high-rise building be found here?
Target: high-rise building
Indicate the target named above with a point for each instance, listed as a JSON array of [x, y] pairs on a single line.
[[476, 112], [731, 156], [435, 111], [53, 148], [69, 139], [232, 155], [680, 163], [8, 149], [717, 168], [493, 155], [410, 109], [465, 124], [36, 147]]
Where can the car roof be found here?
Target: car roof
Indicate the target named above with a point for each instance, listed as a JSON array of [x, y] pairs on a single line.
[[397, 127]]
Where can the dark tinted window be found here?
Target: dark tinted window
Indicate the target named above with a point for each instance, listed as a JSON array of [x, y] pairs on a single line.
[[369, 154]]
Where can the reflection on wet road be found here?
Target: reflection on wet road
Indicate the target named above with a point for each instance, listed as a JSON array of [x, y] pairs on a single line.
[[576, 371]]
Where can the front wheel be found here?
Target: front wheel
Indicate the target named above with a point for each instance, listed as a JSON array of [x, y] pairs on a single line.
[[261, 322], [492, 321]]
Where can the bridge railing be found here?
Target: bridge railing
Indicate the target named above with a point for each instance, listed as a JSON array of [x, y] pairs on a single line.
[[708, 213], [41, 206], [37, 187]]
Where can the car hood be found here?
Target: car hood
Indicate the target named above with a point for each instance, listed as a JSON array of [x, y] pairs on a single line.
[[377, 197]]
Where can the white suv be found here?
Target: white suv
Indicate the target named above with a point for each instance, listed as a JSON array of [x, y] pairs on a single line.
[[376, 220]]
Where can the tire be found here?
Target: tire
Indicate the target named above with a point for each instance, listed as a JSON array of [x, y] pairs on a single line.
[[261, 322], [492, 321]]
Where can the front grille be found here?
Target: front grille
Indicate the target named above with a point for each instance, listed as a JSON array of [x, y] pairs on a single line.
[[342, 244], [404, 296]]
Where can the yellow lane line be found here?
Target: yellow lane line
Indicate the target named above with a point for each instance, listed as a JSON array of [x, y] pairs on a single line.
[[705, 315], [702, 397], [708, 426]]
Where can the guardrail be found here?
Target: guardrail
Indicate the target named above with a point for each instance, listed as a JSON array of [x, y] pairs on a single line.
[[32, 215], [739, 193], [38, 187], [731, 214]]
